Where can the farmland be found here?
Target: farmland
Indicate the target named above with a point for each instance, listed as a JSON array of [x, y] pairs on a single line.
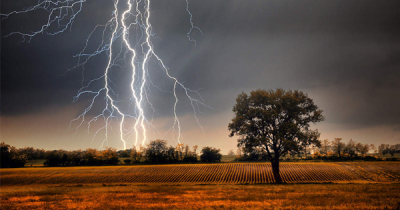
[[180, 196], [318, 185], [224, 173]]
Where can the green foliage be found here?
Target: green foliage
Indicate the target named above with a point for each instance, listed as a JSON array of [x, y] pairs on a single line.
[[210, 154], [389, 149], [89, 157], [384, 149], [276, 121], [190, 159], [109, 156], [156, 151], [349, 158], [124, 153], [171, 155], [350, 148], [32, 153], [10, 157], [252, 154], [76, 158], [53, 158], [138, 155], [362, 148], [92, 157], [127, 161], [338, 146]]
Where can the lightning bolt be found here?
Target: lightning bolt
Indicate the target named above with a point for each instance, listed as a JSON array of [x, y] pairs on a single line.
[[135, 47]]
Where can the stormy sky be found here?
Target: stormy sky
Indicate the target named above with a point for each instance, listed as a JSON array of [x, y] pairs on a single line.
[[344, 54]]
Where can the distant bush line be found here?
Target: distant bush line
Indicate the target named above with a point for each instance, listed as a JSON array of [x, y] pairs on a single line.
[[316, 157], [329, 151], [156, 152]]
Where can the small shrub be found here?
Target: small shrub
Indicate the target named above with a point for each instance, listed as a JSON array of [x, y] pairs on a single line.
[[317, 155], [127, 161], [370, 158], [190, 159], [210, 154], [53, 158]]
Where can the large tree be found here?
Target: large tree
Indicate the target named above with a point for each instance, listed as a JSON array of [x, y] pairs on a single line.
[[276, 121], [156, 151]]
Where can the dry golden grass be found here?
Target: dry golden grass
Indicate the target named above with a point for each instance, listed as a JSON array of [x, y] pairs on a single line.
[[157, 196], [224, 173]]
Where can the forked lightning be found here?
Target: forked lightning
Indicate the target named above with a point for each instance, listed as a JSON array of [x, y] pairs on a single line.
[[126, 36]]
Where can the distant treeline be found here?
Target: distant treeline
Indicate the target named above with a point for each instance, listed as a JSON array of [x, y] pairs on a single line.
[[156, 152], [335, 150]]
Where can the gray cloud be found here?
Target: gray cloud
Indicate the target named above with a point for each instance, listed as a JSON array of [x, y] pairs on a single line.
[[345, 53]]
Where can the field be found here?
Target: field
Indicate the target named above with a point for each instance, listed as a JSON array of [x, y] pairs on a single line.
[[319, 185], [155, 196], [228, 158], [224, 173]]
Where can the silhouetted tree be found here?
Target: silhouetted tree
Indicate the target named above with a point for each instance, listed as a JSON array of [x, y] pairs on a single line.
[[210, 154], [231, 152], [384, 149], [350, 148], [277, 121], [389, 149], [124, 153], [170, 153], [156, 151], [195, 149], [92, 157], [29, 152], [77, 158], [239, 152], [326, 146], [190, 158], [127, 161], [392, 149], [338, 146], [53, 158], [142, 154], [135, 155], [179, 152], [10, 157], [373, 148], [397, 148], [109, 156], [362, 148]]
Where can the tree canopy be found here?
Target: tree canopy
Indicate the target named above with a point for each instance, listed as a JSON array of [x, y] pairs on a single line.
[[276, 121], [210, 154]]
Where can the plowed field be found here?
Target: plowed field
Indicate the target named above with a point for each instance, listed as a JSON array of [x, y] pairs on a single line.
[[229, 173]]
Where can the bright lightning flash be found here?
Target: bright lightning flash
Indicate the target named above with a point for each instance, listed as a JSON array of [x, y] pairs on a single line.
[[132, 28]]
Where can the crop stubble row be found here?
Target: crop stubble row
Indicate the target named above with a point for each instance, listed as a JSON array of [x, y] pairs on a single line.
[[206, 173]]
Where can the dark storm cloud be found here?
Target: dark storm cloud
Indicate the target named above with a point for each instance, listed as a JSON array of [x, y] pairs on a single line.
[[347, 53], [34, 75], [349, 50]]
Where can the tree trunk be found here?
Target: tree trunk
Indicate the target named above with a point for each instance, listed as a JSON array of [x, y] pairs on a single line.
[[305, 152], [275, 171]]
